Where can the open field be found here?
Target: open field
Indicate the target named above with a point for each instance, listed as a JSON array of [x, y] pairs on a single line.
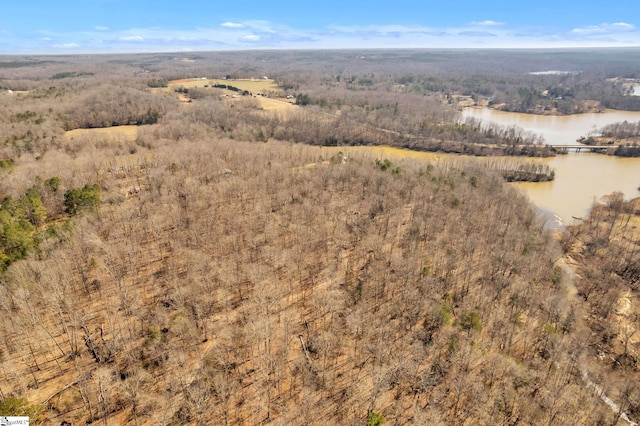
[[279, 104], [255, 86], [127, 133], [250, 85]]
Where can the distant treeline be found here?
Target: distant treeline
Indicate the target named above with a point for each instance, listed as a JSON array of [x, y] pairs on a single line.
[[569, 93], [69, 74], [621, 132]]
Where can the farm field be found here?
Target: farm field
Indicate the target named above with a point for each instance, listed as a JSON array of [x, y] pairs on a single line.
[[270, 102], [250, 85], [276, 104], [127, 133]]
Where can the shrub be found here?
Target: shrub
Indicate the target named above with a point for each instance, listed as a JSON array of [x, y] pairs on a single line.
[[374, 419], [53, 183], [471, 321], [158, 82], [303, 99], [6, 164], [446, 315], [19, 407]]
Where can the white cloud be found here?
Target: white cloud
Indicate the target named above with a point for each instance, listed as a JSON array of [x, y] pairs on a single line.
[[250, 37], [66, 45], [101, 28], [487, 23], [592, 29], [477, 34], [259, 34], [131, 38], [232, 25], [604, 28]]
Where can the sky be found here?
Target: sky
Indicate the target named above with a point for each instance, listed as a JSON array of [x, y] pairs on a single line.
[[121, 26]]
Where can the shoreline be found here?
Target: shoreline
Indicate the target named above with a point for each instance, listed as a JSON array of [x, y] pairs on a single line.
[[548, 113]]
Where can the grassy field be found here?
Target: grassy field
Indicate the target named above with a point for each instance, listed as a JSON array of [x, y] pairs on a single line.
[[279, 104], [388, 152], [114, 134], [251, 85], [254, 86]]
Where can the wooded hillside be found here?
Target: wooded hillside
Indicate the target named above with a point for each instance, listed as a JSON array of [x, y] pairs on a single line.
[[252, 282], [205, 268]]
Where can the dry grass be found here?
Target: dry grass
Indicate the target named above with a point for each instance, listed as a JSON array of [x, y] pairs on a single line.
[[159, 89], [269, 104], [113, 134], [381, 152], [626, 228], [253, 86], [250, 85]]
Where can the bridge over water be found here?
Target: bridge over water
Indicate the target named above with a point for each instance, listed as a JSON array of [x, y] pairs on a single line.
[[585, 148]]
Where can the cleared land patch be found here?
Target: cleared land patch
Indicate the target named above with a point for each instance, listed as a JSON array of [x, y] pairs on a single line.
[[250, 85], [270, 104], [115, 134], [254, 86]]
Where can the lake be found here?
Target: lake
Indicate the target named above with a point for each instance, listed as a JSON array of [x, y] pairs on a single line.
[[557, 130], [581, 178]]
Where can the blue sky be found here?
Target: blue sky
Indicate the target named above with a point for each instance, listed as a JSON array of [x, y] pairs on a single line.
[[110, 26]]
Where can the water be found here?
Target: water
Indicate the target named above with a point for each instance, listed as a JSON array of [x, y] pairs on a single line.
[[557, 130], [581, 178]]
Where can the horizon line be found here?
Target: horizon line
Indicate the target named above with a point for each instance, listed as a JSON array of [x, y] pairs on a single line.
[[337, 49]]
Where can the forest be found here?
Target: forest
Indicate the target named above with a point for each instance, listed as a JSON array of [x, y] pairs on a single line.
[[172, 252]]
